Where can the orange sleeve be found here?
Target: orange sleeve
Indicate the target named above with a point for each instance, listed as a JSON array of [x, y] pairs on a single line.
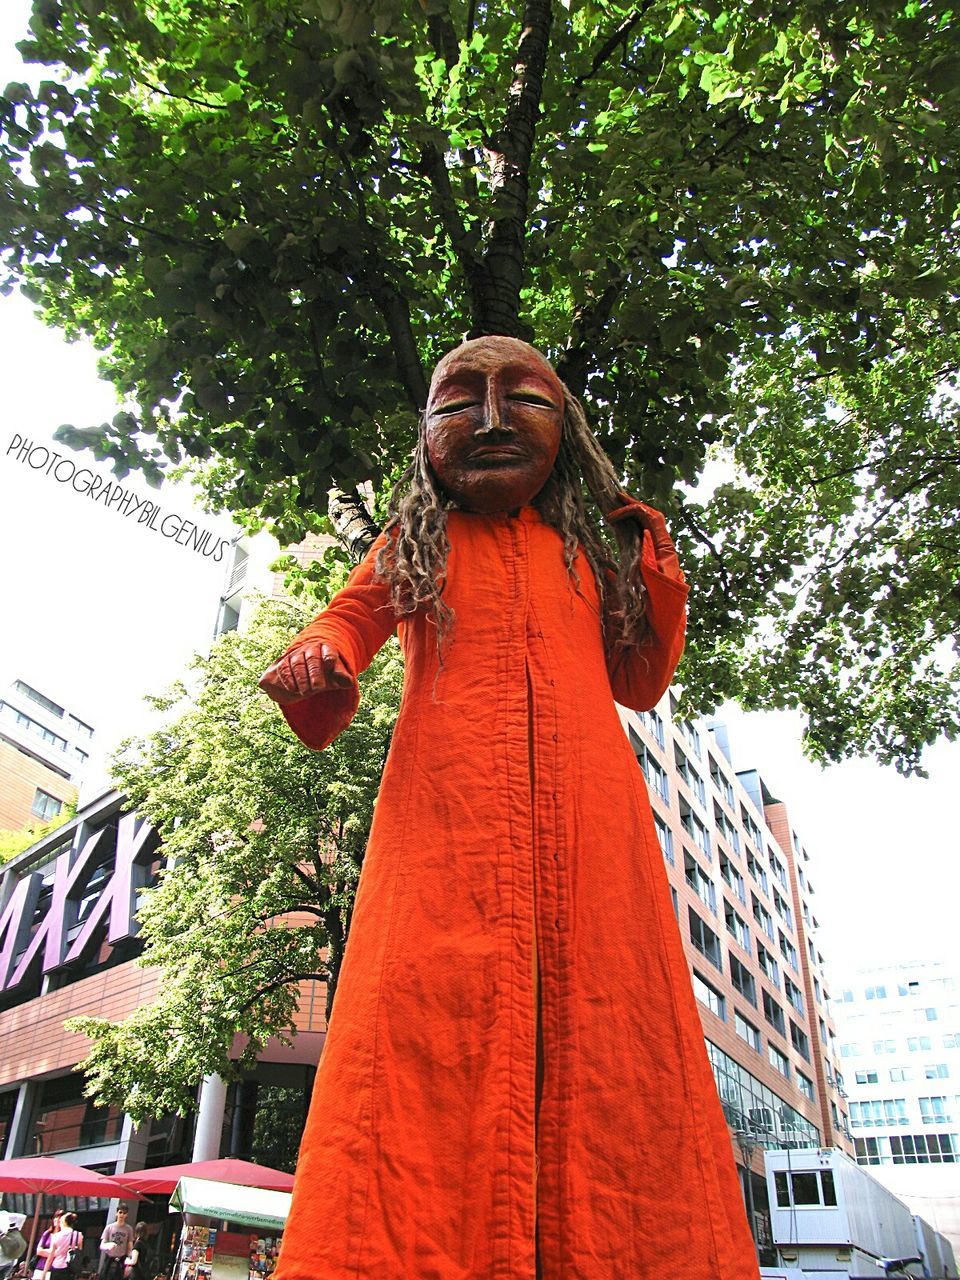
[[357, 623], [639, 677]]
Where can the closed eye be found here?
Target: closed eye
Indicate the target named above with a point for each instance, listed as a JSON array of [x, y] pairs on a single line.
[[455, 406], [530, 397]]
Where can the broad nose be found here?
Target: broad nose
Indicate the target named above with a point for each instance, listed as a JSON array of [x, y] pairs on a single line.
[[493, 418]]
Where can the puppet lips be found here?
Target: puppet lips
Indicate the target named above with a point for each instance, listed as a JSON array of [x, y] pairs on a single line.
[[494, 452]]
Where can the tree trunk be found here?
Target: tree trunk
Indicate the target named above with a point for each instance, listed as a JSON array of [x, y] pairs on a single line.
[[353, 523]]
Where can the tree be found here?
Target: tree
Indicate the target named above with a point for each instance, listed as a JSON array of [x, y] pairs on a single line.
[[265, 841], [14, 842], [733, 227]]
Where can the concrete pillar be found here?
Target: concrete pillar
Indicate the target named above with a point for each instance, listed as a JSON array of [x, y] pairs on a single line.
[[20, 1124], [131, 1156], [209, 1130]]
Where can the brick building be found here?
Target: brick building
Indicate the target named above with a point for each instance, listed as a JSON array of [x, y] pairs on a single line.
[[743, 900], [44, 749]]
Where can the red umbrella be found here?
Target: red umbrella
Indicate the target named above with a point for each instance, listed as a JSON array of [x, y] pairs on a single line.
[[45, 1175], [242, 1173]]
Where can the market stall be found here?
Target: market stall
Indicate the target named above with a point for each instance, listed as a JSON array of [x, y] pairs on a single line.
[[246, 1248]]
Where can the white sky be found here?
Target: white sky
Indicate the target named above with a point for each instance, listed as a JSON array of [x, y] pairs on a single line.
[[106, 611]]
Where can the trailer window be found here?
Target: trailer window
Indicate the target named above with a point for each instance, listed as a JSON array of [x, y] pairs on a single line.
[[806, 1188]]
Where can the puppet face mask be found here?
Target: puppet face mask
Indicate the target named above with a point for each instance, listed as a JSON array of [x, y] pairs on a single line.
[[493, 424]]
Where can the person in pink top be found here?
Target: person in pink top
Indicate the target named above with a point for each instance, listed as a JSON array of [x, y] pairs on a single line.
[[63, 1241]]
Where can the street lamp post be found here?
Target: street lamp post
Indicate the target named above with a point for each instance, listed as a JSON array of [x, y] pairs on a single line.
[[748, 1145]]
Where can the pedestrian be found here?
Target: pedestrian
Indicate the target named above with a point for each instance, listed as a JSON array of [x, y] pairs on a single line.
[[514, 1081], [139, 1261], [43, 1246], [115, 1245], [63, 1245]]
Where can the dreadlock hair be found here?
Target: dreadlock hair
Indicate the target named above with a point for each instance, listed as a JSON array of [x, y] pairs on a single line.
[[414, 559]]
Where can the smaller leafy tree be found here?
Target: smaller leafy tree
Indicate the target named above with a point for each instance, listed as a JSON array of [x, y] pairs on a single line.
[[14, 842], [264, 840]]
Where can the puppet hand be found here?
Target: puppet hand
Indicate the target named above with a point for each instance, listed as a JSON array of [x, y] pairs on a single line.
[[656, 526], [312, 668]]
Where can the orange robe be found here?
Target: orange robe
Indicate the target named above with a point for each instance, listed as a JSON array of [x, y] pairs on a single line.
[[512, 815]]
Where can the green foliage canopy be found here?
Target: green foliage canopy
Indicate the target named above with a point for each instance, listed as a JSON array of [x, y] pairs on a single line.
[[13, 843], [264, 840], [733, 227]]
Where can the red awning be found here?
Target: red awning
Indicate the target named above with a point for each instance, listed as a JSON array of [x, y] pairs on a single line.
[[241, 1173]]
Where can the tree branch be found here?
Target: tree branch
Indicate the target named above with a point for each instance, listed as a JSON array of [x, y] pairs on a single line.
[[606, 49], [433, 166], [316, 887], [281, 982], [698, 532], [509, 154], [180, 97]]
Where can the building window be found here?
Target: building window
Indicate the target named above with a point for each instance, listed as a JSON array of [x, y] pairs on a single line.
[[876, 993], [778, 1060], [755, 867], [654, 723], [805, 1190], [746, 1030], [788, 951], [750, 1105], [692, 736], [709, 996], [897, 1074], [28, 692], [773, 1013], [66, 1120], [918, 1044], [699, 882], [868, 1077], [879, 1113], [742, 979], [720, 782], [934, 1111], [664, 837], [733, 878], [689, 775], [768, 966], [753, 831], [799, 1040], [45, 806], [923, 1148], [931, 1015], [704, 939], [936, 1071], [736, 926], [867, 1150], [80, 727], [654, 774], [782, 910], [726, 828], [795, 996], [34, 727], [762, 916], [805, 1085], [694, 828]]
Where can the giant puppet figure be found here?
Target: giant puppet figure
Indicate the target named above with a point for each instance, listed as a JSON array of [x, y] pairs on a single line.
[[514, 1083]]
